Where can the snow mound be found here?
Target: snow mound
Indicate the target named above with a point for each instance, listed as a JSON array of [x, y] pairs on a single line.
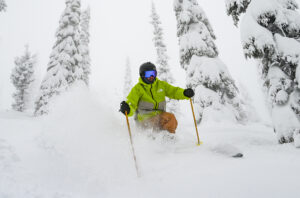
[[82, 141], [226, 149], [7, 156], [297, 139]]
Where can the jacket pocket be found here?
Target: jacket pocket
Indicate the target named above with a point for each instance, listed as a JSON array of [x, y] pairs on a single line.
[[145, 106], [162, 106]]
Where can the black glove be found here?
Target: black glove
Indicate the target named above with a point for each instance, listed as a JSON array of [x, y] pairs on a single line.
[[124, 107], [189, 92]]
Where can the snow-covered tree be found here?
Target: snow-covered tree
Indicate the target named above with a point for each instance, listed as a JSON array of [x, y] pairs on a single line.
[[127, 79], [64, 67], [163, 68], [22, 78], [215, 90], [270, 32], [235, 8], [161, 50], [2, 5], [85, 40]]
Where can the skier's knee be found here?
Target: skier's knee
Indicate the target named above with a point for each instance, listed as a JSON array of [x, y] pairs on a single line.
[[168, 122]]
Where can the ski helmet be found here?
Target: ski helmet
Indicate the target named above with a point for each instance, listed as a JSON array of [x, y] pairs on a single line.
[[148, 66]]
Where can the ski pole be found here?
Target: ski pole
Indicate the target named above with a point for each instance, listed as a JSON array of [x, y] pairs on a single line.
[[198, 144], [132, 148]]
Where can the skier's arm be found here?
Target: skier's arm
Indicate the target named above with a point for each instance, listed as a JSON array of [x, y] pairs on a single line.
[[174, 92], [133, 99]]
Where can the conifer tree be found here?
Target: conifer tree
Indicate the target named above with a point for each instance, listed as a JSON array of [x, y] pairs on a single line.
[[235, 8], [22, 78], [2, 5], [163, 68], [64, 67], [84, 47], [161, 50], [270, 32], [215, 90], [127, 79]]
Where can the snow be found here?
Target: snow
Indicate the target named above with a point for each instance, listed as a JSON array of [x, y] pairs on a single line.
[[285, 14], [269, 32], [290, 123], [82, 149], [288, 48], [207, 69], [297, 139], [260, 37]]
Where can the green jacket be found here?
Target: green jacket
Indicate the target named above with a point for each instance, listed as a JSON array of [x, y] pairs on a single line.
[[148, 100]]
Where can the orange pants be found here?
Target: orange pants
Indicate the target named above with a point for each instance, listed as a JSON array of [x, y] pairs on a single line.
[[163, 121]]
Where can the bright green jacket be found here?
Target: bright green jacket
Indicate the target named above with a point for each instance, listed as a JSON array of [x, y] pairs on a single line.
[[148, 100]]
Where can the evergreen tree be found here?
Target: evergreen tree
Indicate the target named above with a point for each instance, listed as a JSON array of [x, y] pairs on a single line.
[[270, 33], [22, 78], [215, 90], [127, 79], [163, 68], [235, 8], [85, 40], [64, 67], [161, 51], [2, 5]]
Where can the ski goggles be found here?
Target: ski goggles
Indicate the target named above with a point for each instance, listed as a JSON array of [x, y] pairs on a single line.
[[148, 74]]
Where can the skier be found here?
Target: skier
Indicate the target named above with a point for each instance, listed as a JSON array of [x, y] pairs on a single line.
[[147, 100]]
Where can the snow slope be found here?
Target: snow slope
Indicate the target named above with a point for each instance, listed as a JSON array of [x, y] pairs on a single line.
[[82, 150]]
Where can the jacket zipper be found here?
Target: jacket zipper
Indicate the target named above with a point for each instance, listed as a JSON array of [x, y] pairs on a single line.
[[153, 97]]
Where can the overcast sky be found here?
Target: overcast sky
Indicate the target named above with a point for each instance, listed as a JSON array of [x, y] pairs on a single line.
[[119, 29]]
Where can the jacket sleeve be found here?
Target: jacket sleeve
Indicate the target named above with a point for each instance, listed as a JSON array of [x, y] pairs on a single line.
[[174, 92], [133, 99]]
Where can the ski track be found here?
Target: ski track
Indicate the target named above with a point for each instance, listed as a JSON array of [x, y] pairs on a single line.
[[42, 157]]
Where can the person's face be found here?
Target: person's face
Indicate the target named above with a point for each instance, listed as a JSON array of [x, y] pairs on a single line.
[[151, 78], [150, 75]]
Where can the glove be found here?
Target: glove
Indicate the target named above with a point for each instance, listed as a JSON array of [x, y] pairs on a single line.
[[124, 107], [189, 92]]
